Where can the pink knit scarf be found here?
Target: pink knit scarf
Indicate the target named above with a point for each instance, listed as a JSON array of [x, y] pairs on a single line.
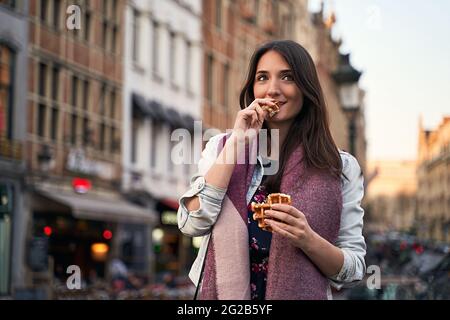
[[291, 274]]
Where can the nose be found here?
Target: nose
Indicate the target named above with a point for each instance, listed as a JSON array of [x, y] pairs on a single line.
[[273, 90]]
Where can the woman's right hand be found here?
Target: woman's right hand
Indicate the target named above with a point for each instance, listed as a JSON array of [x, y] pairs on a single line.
[[253, 116]]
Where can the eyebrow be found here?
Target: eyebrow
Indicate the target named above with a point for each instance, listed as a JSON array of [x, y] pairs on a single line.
[[282, 71]]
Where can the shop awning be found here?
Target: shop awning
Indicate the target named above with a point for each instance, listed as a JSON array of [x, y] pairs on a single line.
[[104, 208], [188, 122], [171, 203]]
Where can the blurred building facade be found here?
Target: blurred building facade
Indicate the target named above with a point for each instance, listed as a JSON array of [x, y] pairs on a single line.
[[13, 92], [433, 175], [162, 93], [87, 175], [232, 30], [335, 72], [391, 196], [73, 209]]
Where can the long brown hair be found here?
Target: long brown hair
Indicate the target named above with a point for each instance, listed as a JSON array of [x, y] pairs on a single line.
[[311, 126]]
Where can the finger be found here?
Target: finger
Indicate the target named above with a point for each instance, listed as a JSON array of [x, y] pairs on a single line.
[[269, 101], [282, 229], [268, 104], [261, 101], [283, 217], [251, 115], [287, 208], [261, 113]]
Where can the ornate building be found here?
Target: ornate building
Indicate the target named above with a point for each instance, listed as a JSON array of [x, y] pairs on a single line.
[[433, 173], [13, 92], [74, 206], [232, 30], [162, 93], [391, 195]]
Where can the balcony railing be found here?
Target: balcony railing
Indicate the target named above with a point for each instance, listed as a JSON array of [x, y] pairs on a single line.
[[10, 149]]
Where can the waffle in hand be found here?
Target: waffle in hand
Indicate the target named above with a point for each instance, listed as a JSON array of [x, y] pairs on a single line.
[[259, 208], [273, 110]]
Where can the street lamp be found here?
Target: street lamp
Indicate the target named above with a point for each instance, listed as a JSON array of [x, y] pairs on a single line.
[[347, 79]]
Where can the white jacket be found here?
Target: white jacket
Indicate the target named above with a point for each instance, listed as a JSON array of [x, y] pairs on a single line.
[[350, 239]]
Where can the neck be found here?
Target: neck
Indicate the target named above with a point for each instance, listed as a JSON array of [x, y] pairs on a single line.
[[283, 128]]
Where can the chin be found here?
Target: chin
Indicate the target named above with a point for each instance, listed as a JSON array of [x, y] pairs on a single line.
[[277, 117]]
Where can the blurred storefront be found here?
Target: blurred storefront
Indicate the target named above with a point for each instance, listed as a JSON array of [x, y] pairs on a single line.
[[174, 252], [89, 229], [13, 108]]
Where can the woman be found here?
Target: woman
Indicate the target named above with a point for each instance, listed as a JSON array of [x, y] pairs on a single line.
[[317, 240]]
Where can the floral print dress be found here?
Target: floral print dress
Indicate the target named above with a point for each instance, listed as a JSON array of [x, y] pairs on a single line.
[[259, 250]]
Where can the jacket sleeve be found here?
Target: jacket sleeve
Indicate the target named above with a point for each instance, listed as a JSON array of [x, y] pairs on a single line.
[[350, 238], [199, 222]]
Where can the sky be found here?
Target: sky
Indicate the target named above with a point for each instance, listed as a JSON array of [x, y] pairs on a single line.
[[403, 49]]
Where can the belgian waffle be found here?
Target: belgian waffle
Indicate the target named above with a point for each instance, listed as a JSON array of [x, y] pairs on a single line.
[[273, 110], [259, 208]]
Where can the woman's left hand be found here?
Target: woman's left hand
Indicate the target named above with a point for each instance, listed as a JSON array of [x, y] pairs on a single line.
[[292, 224]]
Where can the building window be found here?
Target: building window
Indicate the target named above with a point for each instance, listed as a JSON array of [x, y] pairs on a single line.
[[74, 91], [44, 10], [102, 136], [209, 78], [155, 48], [9, 3], [41, 120], [6, 90], [219, 13], [86, 14], [87, 26], [107, 141], [134, 137], [48, 112], [56, 14], [55, 83], [42, 79], [188, 66], [107, 99], [154, 143], [104, 34], [54, 124], [110, 27], [114, 9], [73, 129], [226, 85], [172, 59], [86, 95], [170, 164], [87, 132], [114, 39], [114, 145], [50, 13], [102, 100], [136, 35], [112, 112]]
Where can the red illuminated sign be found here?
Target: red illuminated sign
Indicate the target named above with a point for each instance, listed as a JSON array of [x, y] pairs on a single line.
[[107, 234], [81, 185]]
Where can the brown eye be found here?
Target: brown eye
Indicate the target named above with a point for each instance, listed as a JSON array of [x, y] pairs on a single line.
[[261, 78], [288, 77]]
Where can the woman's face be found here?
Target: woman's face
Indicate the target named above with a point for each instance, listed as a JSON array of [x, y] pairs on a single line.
[[274, 79]]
